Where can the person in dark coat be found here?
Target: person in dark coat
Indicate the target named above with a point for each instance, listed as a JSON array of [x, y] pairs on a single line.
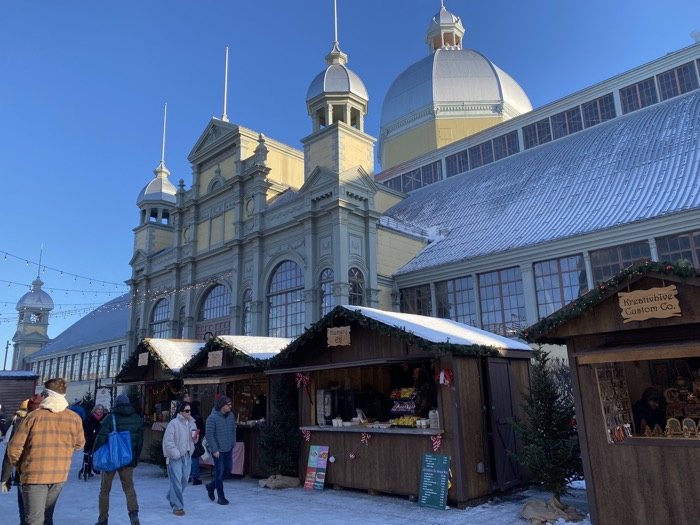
[[78, 409], [91, 427], [650, 411], [126, 419], [221, 438], [6, 479]]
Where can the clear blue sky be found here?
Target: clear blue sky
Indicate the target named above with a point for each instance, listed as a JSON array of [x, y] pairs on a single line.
[[82, 88]]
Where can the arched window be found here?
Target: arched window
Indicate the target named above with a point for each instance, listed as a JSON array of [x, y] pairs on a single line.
[[325, 291], [247, 313], [215, 312], [159, 319], [286, 301], [357, 287]]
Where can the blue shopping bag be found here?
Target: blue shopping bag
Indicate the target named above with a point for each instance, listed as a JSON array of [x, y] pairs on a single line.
[[116, 452]]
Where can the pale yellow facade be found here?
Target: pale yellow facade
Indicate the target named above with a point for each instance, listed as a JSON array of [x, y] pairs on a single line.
[[395, 250]]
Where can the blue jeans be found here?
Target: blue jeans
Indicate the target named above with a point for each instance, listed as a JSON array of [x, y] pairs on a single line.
[[20, 506], [222, 465], [194, 471], [40, 502], [178, 474]]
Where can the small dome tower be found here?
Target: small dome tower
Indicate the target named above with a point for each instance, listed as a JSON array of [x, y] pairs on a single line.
[[31, 336]]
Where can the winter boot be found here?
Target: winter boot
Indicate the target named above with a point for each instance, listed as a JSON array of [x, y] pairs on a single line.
[[134, 517], [101, 522]]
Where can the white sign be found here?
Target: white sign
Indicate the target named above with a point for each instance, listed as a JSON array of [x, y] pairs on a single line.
[[103, 398], [143, 359], [339, 336], [215, 359]]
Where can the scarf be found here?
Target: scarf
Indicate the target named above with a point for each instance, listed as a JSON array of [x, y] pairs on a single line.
[[54, 401], [98, 417]]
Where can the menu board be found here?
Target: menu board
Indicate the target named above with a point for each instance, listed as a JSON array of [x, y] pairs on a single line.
[[316, 467], [434, 478], [615, 401]]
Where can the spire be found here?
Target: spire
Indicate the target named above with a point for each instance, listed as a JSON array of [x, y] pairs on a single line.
[[41, 253], [336, 56], [161, 170], [224, 117]]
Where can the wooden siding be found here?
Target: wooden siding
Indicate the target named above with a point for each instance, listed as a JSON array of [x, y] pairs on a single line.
[[13, 391]]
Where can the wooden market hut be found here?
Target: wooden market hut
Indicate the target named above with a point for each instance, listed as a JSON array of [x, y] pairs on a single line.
[[234, 366], [367, 355], [15, 387], [154, 370], [639, 330]]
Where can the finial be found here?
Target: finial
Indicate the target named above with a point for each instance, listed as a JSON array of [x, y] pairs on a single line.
[[224, 117], [335, 20], [162, 150], [41, 252]]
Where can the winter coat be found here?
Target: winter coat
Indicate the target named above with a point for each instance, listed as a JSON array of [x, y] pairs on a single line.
[[91, 427], [126, 419], [43, 445], [6, 476], [221, 431], [177, 440]]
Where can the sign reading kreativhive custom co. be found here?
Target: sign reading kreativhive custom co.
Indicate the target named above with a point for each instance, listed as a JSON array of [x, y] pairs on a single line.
[[654, 303]]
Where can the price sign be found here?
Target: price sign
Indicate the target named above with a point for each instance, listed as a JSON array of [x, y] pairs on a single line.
[[434, 477]]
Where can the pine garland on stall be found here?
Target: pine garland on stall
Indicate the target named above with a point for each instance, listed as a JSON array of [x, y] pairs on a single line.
[[550, 444]]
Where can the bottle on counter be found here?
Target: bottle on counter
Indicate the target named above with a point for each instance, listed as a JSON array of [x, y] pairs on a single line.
[[434, 418]]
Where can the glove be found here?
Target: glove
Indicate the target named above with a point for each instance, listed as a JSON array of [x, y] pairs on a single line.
[[6, 487]]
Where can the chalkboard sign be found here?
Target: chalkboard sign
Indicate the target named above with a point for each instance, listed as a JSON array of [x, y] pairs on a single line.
[[434, 477]]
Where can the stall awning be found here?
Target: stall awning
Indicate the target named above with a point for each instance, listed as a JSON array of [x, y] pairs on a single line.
[[217, 380], [664, 350]]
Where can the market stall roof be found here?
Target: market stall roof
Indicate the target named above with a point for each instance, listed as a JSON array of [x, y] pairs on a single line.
[[439, 330], [172, 354], [257, 347]]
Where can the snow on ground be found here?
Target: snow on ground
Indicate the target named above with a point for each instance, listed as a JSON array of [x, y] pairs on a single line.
[[251, 504]]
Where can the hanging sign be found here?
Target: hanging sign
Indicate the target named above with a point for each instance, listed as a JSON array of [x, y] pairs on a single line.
[[654, 303], [316, 468], [339, 336], [434, 481], [143, 359], [215, 359]]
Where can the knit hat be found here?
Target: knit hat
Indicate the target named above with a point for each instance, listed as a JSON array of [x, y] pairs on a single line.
[[222, 402], [34, 402], [24, 404], [122, 399]]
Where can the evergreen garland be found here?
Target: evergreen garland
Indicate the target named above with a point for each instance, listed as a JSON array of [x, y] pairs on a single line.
[[214, 344], [280, 438], [681, 268], [551, 449]]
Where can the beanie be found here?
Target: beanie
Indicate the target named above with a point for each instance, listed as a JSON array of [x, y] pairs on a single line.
[[122, 399], [222, 401], [34, 402]]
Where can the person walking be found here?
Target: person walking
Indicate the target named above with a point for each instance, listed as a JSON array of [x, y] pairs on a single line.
[[42, 449], [198, 449], [77, 407], [6, 479], [91, 427], [178, 445], [126, 419], [221, 438]]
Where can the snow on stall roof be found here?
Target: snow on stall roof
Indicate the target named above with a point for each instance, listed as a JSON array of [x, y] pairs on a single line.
[[440, 330], [17, 373], [174, 352], [257, 347]]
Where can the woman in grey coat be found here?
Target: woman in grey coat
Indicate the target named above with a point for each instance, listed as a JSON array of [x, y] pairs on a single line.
[[178, 445]]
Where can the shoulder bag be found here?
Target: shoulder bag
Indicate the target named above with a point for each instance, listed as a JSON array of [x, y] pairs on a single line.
[[116, 452]]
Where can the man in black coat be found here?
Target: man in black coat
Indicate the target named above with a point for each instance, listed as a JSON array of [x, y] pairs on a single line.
[[126, 419]]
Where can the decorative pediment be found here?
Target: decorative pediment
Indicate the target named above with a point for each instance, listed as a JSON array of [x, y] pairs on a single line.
[[216, 132], [138, 259]]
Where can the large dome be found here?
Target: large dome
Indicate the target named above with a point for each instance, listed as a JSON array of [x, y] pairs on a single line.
[[452, 76], [35, 299]]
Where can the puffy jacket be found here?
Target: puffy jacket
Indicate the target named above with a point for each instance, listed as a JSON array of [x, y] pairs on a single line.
[[126, 419], [177, 440], [221, 431]]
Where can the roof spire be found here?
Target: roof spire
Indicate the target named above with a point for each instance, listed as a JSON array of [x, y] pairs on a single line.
[[41, 252], [335, 20], [336, 56], [162, 149], [224, 117]]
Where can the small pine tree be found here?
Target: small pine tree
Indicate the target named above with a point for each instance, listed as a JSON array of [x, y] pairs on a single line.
[[280, 438], [551, 449], [88, 401]]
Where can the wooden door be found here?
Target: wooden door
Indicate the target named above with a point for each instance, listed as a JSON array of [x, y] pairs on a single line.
[[501, 408]]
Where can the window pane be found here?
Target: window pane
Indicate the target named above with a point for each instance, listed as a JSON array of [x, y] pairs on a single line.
[[286, 301], [502, 302]]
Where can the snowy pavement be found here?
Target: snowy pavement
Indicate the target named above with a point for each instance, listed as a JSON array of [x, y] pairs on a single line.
[[251, 504]]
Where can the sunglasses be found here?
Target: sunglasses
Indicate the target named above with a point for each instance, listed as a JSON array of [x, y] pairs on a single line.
[[188, 410]]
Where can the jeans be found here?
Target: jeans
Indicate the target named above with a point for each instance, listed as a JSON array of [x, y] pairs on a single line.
[[194, 471], [178, 474], [126, 476], [20, 506], [222, 465], [39, 502]]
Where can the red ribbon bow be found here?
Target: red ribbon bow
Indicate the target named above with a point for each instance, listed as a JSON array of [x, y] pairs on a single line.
[[306, 434], [365, 438], [437, 441]]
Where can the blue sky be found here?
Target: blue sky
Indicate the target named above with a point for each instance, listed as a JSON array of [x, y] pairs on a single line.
[[82, 88]]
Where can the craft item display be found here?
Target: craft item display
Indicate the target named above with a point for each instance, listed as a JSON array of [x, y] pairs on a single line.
[[615, 402]]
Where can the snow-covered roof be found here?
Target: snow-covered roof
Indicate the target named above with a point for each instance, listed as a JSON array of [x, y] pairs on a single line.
[[105, 323], [17, 374], [439, 330], [257, 347], [632, 168], [174, 353]]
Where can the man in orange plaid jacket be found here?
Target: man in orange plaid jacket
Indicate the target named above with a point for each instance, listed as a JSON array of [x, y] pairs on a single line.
[[42, 450]]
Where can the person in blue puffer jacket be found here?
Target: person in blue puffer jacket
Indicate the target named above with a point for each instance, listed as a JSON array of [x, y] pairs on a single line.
[[221, 438]]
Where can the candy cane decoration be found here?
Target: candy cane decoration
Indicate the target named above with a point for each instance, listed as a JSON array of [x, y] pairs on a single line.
[[366, 436], [437, 441], [303, 381], [306, 434]]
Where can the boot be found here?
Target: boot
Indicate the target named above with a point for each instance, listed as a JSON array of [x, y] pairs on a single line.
[[134, 517], [101, 522]]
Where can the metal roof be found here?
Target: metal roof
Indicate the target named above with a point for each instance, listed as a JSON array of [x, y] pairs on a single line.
[[633, 168], [105, 323]]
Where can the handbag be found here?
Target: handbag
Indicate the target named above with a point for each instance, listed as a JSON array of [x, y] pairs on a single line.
[[116, 452], [205, 456]]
